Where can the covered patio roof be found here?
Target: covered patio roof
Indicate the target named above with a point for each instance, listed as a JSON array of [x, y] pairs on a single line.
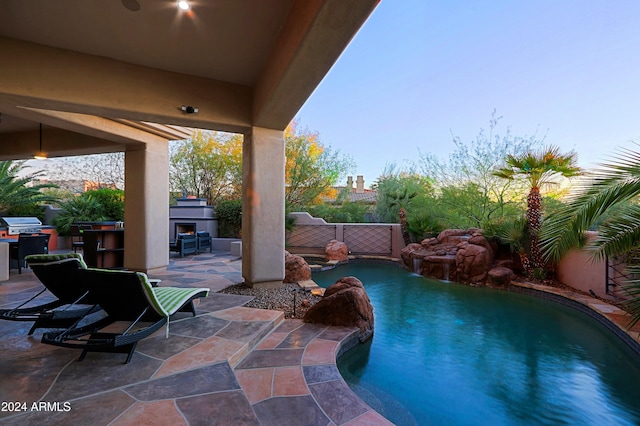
[[242, 63], [99, 74]]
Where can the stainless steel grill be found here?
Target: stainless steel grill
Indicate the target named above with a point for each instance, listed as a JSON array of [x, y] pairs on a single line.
[[17, 225]]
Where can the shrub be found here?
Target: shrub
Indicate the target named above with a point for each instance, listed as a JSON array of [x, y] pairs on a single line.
[[111, 200], [348, 212], [31, 210], [81, 208], [229, 214], [92, 206]]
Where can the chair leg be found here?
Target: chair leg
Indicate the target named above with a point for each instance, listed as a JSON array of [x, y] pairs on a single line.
[[33, 328], [133, 349]]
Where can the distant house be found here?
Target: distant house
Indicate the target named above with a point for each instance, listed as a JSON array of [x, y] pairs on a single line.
[[351, 194]]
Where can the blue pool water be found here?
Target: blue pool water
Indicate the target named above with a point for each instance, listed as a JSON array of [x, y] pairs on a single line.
[[450, 354]]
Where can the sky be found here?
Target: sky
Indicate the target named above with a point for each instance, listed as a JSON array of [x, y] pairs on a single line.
[[419, 71]]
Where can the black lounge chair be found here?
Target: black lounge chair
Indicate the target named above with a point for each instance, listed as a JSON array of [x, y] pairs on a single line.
[[58, 274], [125, 297]]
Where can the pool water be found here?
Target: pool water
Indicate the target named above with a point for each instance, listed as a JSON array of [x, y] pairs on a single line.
[[451, 354]]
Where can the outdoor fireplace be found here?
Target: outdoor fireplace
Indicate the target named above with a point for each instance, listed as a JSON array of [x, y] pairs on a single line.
[[192, 215], [185, 228]]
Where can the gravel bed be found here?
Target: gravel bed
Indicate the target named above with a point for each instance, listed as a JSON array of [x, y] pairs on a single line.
[[278, 299]]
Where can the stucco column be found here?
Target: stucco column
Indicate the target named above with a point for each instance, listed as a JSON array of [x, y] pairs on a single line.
[[146, 208], [263, 165]]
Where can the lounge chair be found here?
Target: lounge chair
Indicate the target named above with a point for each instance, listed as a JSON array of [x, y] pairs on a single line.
[[125, 297], [185, 244], [58, 274]]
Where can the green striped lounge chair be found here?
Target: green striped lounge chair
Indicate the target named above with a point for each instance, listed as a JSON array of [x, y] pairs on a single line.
[[128, 299], [58, 275]]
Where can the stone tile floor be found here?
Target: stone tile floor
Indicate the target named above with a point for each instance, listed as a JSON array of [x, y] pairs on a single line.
[[229, 365]]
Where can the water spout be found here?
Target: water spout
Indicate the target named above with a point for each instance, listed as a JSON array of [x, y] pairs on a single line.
[[445, 271], [417, 265]]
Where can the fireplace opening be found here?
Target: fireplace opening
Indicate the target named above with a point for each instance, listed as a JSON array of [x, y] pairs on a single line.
[[185, 228]]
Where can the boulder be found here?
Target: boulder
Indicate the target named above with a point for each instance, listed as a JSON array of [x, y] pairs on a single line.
[[346, 304], [500, 276], [481, 241], [336, 250], [452, 236], [411, 252], [472, 263], [295, 268]]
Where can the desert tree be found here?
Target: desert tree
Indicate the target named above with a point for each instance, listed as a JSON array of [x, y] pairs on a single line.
[[312, 168], [207, 165]]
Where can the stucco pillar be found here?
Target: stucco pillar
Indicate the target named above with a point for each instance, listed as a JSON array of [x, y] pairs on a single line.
[[263, 165], [146, 208]]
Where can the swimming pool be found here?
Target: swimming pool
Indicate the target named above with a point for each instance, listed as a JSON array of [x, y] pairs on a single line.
[[450, 354]]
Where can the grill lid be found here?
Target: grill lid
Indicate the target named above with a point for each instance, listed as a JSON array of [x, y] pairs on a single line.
[[21, 221]]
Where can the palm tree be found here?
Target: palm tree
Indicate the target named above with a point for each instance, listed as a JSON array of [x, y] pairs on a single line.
[[608, 200], [18, 189], [538, 168]]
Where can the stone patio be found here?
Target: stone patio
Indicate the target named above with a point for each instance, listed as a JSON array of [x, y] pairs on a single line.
[[229, 365]]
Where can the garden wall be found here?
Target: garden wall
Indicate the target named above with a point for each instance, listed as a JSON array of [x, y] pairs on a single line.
[[310, 236], [578, 270]]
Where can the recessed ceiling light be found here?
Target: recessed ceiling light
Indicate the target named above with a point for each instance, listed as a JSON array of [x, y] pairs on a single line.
[[184, 5], [132, 5]]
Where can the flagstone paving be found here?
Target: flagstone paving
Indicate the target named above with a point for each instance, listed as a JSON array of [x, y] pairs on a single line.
[[229, 365]]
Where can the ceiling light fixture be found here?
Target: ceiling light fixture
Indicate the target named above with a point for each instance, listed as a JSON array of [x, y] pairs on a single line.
[[40, 155], [189, 109], [184, 5]]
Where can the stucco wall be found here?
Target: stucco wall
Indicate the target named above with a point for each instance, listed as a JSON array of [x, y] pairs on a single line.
[[578, 270]]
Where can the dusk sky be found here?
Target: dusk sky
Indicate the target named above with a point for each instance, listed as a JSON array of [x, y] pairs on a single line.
[[420, 70]]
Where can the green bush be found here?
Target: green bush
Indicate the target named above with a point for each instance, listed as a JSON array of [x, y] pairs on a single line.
[[346, 213], [81, 208], [31, 210], [92, 206], [111, 200], [229, 214], [423, 225]]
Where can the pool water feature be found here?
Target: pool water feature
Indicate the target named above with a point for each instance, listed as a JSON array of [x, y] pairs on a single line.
[[450, 354]]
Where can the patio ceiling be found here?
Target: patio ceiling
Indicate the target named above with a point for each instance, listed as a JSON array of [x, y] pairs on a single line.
[[97, 73]]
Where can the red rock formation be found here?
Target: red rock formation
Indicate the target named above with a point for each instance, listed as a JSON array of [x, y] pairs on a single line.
[[347, 304], [337, 250], [500, 276], [296, 268]]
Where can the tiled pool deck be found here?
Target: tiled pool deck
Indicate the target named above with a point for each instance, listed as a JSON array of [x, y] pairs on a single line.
[[230, 365]]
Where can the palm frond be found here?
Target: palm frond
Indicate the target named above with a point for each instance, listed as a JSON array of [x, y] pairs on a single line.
[[608, 187], [618, 235]]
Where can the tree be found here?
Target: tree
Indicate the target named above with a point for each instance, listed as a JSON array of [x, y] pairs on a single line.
[[208, 165], [538, 168], [102, 170], [401, 197], [465, 182], [18, 189], [312, 169], [608, 197]]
